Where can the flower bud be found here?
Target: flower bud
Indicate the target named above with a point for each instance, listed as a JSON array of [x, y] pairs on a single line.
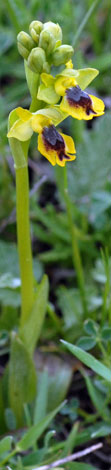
[[35, 29], [25, 44], [54, 29], [62, 54], [36, 60], [47, 41]]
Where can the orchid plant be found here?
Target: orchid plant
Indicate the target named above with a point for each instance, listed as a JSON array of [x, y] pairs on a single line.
[[53, 99]]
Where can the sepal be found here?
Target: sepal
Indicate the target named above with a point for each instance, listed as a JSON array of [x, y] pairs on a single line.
[[47, 41], [55, 30], [36, 60], [25, 43], [35, 29], [62, 54]]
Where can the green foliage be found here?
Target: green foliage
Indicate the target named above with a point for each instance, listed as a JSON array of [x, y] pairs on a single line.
[[89, 361], [31, 331], [22, 378]]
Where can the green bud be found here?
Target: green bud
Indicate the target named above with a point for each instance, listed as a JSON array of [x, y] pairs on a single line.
[[47, 41], [62, 54], [46, 67], [54, 29], [25, 44], [36, 60], [35, 29]]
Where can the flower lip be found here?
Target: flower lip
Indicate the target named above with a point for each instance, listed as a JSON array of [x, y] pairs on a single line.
[[53, 140], [79, 98]]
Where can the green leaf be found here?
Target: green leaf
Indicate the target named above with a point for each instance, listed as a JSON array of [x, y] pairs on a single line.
[[31, 330], [79, 466], [9, 297], [10, 419], [34, 433], [22, 378], [59, 377], [7, 280], [98, 399], [91, 327], [42, 397], [86, 343], [70, 441], [70, 303], [5, 444], [89, 361], [106, 334]]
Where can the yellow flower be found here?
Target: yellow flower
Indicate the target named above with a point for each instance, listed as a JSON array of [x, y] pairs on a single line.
[[70, 85], [56, 147], [78, 104]]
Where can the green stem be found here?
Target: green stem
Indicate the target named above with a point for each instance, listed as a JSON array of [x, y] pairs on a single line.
[[76, 257], [24, 242]]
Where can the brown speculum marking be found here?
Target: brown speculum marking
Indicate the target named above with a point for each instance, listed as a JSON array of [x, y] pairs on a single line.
[[54, 141], [79, 98]]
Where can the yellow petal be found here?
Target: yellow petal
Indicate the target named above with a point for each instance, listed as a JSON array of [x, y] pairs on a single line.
[[69, 64], [98, 105], [79, 112], [50, 154], [20, 130], [62, 83], [23, 114], [39, 121], [69, 145], [47, 79], [53, 156]]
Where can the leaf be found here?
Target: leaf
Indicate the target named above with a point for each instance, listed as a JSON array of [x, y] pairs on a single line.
[[89, 361], [10, 419], [70, 303], [70, 441], [106, 334], [98, 400], [91, 327], [79, 466], [42, 397], [22, 378], [86, 343], [9, 259], [34, 433], [99, 272], [59, 373], [31, 330], [7, 280], [9, 297], [5, 444]]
